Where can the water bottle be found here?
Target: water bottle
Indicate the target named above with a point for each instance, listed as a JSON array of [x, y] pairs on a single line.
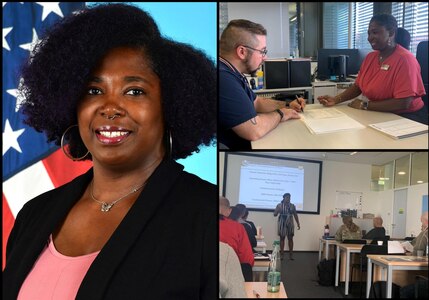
[[326, 232], [274, 272], [260, 75]]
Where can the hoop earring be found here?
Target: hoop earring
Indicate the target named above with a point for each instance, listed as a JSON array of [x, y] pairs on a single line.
[[65, 152]]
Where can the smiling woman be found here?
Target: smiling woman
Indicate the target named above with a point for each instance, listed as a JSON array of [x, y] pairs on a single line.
[[389, 78], [107, 79]]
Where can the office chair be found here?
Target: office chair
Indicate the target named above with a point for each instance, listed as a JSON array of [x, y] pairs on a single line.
[[421, 287], [363, 260], [422, 57], [354, 242]]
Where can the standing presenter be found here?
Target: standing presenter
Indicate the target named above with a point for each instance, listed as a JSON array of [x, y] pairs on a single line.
[[285, 223]]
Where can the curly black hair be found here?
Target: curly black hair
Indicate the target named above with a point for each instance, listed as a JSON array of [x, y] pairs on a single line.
[[57, 72]]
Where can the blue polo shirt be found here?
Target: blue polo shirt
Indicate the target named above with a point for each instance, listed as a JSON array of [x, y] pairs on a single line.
[[236, 106]]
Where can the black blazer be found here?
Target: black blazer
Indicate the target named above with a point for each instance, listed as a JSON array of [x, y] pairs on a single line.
[[165, 247]]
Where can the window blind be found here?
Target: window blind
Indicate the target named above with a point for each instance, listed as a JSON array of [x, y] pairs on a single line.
[[362, 14], [413, 16], [335, 25]]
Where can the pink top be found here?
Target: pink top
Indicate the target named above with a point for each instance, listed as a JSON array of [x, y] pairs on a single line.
[[397, 77], [55, 276]]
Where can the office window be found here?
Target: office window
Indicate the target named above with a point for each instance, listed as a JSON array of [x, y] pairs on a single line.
[[419, 168], [402, 172], [382, 177], [362, 14], [339, 17], [413, 16], [293, 30], [335, 25]]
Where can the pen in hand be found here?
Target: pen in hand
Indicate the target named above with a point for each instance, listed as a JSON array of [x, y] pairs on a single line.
[[297, 98], [256, 294]]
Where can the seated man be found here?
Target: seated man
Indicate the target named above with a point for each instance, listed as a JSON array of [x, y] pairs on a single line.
[[378, 232], [243, 116], [421, 241], [231, 280], [348, 231], [237, 214], [234, 234]]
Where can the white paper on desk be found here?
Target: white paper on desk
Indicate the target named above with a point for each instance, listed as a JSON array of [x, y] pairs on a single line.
[[394, 247], [401, 128], [325, 120], [407, 246]]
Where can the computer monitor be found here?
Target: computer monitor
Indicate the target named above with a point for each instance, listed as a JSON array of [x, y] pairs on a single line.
[[356, 57], [276, 74]]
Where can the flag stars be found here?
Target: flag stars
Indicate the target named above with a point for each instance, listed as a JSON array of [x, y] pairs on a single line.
[[5, 33], [10, 138], [14, 93], [30, 46], [49, 7]]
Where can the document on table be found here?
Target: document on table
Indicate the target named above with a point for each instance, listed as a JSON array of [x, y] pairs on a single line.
[[325, 120], [402, 128], [407, 246], [394, 247]]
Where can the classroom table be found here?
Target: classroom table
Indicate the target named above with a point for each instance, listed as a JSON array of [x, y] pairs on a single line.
[[348, 248], [327, 243], [294, 134], [260, 267], [261, 289], [404, 263]]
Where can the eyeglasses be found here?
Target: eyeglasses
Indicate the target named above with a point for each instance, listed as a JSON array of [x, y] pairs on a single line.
[[263, 52]]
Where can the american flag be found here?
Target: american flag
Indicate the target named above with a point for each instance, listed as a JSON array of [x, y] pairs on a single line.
[[31, 166]]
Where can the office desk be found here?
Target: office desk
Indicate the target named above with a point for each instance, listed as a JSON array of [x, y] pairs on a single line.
[[260, 267], [261, 289], [327, 243], [348, 248], [293, 134], [390, 266]]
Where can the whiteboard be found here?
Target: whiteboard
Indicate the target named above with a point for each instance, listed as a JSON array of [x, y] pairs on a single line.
[[348, 200]]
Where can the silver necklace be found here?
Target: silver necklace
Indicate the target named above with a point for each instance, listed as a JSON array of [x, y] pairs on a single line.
[[105, 207]]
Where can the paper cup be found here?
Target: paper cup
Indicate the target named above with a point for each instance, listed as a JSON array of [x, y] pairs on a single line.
[[380, 243]]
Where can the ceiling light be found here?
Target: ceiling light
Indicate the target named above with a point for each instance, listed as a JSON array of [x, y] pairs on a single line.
[[401, 173], [419, 181]]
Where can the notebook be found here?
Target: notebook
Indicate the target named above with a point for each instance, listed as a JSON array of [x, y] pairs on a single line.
[[400, 129]]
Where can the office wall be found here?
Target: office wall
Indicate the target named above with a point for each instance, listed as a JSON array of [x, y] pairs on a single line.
[[344, 177], [414, 207], [274, 16]]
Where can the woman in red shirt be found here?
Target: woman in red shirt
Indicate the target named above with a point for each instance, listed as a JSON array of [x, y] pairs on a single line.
[[389, 78]]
